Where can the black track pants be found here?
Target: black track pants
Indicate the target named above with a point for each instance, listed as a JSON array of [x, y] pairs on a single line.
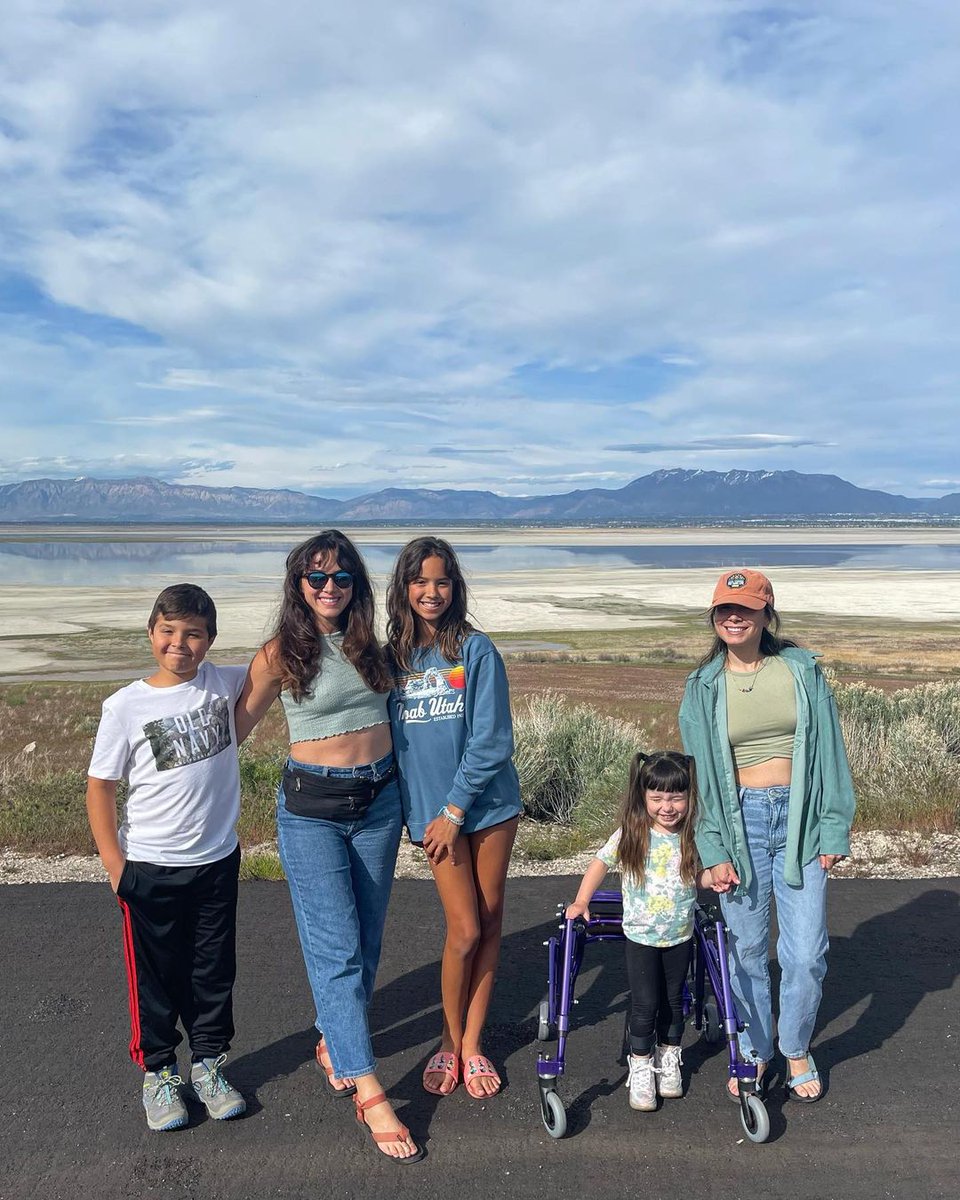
[[656, 978], [179, 942]]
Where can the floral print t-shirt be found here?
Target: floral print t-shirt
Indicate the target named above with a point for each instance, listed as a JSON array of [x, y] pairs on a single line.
[[661, 913]]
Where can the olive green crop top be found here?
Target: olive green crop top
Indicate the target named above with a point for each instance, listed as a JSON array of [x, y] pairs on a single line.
[[761, 722], [338, 702]]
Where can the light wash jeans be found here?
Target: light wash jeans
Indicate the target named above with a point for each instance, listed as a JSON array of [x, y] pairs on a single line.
[[801, 946], [340, 874]]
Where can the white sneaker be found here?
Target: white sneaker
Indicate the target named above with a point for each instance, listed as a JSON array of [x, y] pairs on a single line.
[[668, 1060], [641, 1082]]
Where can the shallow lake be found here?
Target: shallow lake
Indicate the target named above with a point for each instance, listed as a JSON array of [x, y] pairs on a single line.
[[115, 561]]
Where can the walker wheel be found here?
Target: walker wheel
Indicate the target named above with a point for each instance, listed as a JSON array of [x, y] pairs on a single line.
[[546, 1030], [755, 1119], [554, 1114], [712, 1029]]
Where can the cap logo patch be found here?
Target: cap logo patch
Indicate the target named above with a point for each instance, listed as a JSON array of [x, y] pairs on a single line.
[[736, 581]]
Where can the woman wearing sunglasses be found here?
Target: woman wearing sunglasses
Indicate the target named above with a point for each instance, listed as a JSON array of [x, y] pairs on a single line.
[[338, 806]]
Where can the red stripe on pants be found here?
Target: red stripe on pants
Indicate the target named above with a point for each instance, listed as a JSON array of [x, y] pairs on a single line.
[[133, 997]]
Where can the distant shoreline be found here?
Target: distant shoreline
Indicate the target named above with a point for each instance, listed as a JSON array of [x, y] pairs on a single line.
[[78, 631], [881, 532]]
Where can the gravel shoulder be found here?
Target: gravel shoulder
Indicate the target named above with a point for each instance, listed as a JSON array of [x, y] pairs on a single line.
[[876, 854]]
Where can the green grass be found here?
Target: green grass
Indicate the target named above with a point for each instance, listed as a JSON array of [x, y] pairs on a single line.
[[261, 864], [904, 749], [570, 759], [259, 773], [538, 842]]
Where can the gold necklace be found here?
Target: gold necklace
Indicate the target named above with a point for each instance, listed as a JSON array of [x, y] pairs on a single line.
[[753, 676]]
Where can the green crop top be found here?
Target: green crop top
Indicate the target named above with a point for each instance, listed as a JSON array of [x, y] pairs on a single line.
[[762, 721], [339, 702]]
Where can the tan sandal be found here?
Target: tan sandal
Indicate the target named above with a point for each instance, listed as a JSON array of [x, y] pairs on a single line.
[[349, 1090], [401, 1135]]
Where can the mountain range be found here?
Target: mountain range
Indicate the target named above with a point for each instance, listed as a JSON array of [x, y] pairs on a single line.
[[662, 495]]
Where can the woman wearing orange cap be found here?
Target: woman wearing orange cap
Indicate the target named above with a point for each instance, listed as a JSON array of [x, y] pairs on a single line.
[[776, 805]]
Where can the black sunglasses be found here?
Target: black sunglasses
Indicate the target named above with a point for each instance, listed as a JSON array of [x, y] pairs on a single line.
[[318, 579]]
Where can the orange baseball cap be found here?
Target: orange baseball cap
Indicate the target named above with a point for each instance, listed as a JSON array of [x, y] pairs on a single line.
[[743, 586]]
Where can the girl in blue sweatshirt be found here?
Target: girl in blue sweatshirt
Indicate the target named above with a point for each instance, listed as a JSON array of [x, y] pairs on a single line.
[[453, 740]]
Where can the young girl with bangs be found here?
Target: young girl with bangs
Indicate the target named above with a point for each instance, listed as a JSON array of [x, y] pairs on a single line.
[[453, 739], [655, 853]]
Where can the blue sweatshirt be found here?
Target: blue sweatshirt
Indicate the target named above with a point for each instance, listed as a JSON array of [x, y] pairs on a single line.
[[453, 738]]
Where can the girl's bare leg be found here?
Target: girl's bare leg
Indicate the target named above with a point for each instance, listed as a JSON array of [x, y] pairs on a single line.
[[471, 893], [490, 851], [458, 896]]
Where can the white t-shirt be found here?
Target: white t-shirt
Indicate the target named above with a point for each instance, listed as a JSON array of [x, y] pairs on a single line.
[[177, 748]]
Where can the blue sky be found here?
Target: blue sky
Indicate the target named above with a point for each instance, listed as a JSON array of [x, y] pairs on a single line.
[[525, 247]]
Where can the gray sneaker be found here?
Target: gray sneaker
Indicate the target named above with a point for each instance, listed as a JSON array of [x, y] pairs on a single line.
[[162, 1100], [212, 1088], [641, 1082], [668, 1060]]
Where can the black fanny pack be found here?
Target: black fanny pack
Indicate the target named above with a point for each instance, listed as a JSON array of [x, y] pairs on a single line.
[[330, 797]]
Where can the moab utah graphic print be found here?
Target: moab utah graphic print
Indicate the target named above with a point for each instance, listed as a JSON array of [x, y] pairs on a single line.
[[433, 695]]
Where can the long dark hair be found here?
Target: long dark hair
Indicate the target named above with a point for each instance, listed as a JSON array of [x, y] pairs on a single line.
[[771, 643], [403, 635], [660, 771], [299, 645]]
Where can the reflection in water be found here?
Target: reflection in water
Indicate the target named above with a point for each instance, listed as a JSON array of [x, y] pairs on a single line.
[[127, 551], [131, 563]]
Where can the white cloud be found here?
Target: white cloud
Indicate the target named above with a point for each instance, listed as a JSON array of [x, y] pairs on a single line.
[[754, 442], [119, 466], [353, 226]]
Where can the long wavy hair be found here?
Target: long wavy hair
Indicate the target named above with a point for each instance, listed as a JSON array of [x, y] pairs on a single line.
[[771, 643], [404, 632], [299, 645], [660, 771]]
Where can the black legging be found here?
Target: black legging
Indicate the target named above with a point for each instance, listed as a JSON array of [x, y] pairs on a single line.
[[656, 976]]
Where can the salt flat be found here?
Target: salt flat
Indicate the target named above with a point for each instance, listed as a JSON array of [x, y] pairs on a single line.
[[71, 631]]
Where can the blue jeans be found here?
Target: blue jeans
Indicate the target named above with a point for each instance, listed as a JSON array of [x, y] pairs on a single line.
[[340, 874], [802, 943]]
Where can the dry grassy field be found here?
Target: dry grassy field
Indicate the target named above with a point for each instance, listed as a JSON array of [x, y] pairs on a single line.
[[632, 675]]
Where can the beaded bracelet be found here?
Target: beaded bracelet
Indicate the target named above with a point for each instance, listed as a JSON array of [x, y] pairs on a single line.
[[448, 815]]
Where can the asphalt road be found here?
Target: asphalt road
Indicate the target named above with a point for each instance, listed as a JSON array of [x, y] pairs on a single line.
[[71, 1125]]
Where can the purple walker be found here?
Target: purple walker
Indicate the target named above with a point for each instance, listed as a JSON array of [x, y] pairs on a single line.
[[715, 1014]]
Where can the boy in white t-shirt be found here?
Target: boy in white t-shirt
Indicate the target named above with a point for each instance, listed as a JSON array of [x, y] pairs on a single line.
[[174, 861]]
